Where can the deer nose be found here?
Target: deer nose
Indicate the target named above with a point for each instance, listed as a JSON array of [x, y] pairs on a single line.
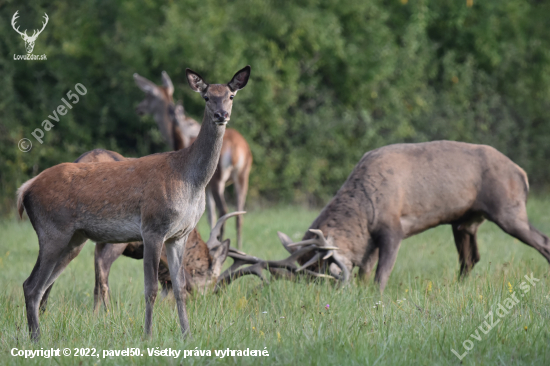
[[221, 116]]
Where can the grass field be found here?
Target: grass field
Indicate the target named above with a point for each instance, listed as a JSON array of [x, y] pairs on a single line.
[[424, 312]]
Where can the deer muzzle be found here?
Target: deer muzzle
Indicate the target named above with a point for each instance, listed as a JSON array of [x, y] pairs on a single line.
[[221, 118]]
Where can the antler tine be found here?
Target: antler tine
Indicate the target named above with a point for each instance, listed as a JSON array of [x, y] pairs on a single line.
[[289, 263], [243, 257], [320, 275], [318, 244], [320, 235], [213, 239], [233, 250], [313, 260], [345, 271], [320, 241], [235, 272], [313, 241], [44, 23], [13, 19]]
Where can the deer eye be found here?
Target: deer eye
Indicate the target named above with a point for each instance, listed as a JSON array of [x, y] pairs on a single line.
[[231, 97], [206, 98]]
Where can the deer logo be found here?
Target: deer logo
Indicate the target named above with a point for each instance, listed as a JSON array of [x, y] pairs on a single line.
[[29, 41]]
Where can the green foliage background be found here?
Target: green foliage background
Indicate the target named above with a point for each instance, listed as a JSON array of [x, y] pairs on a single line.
[[331, 79]]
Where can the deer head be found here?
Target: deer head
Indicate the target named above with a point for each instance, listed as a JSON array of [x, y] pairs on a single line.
[[29, 40], [203, 260], [157, 100], [218, 97]]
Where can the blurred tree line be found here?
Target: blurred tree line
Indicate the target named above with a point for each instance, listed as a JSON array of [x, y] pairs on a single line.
[[331, 79]]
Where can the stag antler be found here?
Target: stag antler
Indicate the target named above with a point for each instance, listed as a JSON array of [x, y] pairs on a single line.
[[34, 35], [234, 272], [215, 232], [15, 16], [285, 268], [324, 244], [24, 34]]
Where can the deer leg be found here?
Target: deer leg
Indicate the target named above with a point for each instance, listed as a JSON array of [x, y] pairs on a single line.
[[218, 189], [369, 260], [104, 256], [164, 274], [241, 188], [70, 255], [516, 223], [151, 258], [175, 250], [52, 260], [210, 206], [44, 301], [388, 242], [466, 244]]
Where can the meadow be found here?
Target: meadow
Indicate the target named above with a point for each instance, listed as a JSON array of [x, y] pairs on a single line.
[[424, 312]]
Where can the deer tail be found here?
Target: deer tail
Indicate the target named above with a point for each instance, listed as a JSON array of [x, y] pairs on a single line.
[[21, 192]]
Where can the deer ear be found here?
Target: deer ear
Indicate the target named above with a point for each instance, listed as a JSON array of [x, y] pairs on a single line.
[[240, 79], [146, 85], [196, 82], [167, 83]]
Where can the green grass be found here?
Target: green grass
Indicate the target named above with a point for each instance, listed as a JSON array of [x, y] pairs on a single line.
[[297, 329]]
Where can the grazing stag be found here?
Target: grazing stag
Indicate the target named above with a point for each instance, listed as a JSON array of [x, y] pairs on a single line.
[[29, 40], [401, 190], [181, 131], [157, 199]]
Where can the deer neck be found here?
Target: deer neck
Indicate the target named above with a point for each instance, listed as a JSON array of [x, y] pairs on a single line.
[[183, 131], [162, 117], [203, 155], [179, 139]]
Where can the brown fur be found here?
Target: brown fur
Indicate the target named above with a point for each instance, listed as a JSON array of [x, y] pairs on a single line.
[[400, 190], [158, 199], [198, 259], [180, 132]]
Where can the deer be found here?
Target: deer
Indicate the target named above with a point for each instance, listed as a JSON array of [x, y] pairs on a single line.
[[157, 199], [29, 40], [401, 190], [203, 260], [180, 131]]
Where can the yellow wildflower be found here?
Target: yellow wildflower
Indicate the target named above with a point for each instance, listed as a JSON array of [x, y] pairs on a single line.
[[510, 288]]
